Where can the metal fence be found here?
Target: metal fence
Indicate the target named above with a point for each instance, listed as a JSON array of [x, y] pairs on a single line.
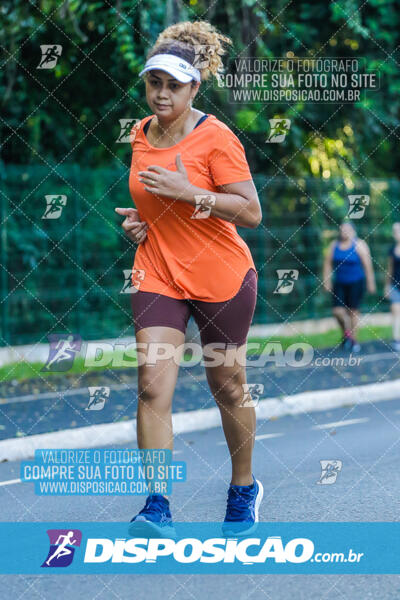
[[65, 274]]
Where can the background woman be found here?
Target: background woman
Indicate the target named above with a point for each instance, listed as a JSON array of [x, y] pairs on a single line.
[[348, 262], [392, 284], [192, 266]]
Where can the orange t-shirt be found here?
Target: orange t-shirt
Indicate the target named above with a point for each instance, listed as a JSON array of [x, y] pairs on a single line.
[[183, 257]]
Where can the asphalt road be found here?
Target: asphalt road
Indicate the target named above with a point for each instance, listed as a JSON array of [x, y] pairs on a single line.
[[367, 489]]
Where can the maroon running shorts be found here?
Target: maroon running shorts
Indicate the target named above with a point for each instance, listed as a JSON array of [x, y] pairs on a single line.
[[225, 322]]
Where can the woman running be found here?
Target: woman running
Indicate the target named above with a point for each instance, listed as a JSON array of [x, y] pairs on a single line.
[[392, 285], [191, 184], [349, 259]]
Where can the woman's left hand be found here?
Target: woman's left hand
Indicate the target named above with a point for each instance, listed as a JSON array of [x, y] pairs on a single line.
[[173, 184], [371, 288]]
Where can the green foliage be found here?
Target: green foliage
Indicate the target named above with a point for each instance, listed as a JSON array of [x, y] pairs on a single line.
[[59, 129], [71, 113]]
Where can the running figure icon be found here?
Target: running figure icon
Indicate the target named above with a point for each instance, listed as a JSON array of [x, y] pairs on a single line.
[[63, 544], [63, 347], [62, 549]]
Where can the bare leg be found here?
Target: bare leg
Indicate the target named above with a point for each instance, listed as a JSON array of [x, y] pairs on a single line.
[[238, 422], [395, 308], [354, 320], [156, 385], [339, 312]]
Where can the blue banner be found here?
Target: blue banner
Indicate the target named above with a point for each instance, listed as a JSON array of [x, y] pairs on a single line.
[[95, 548]]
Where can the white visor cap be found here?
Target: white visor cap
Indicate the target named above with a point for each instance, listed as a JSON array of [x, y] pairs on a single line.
[[178, 67]]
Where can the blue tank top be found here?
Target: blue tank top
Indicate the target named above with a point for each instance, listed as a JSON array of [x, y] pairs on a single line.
[[347, 265]]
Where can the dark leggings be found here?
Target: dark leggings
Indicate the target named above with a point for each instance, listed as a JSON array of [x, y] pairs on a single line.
[[218, 322]]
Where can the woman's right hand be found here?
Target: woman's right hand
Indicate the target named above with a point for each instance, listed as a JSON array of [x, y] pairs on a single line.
[[134, 228], [327, 286]]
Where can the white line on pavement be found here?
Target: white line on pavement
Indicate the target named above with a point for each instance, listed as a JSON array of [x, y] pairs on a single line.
[[10, 482], [340, 423], [267, 435]]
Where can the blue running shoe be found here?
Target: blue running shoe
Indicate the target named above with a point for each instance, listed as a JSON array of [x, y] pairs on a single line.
[[154, 520], [242, 509]]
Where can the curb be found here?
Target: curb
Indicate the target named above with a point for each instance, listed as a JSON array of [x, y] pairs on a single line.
[[197, 420]]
